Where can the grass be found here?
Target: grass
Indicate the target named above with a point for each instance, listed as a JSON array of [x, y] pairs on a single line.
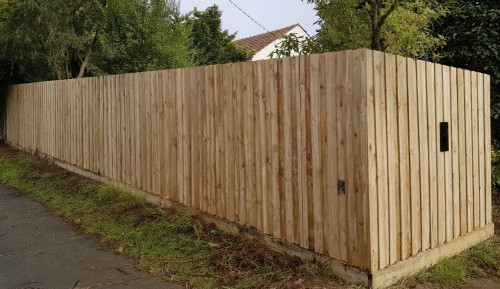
[[165, 242], [117, 218], [183, 248], [479, 261]]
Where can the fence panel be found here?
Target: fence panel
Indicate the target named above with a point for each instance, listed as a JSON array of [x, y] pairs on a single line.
[[338, 153]]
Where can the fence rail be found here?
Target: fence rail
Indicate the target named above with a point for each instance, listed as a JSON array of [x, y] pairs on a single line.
[[337, 152]]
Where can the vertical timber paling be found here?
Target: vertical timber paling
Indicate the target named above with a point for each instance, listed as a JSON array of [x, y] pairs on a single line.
[[338, 153]]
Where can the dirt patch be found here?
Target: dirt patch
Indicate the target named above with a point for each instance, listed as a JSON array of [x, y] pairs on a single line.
[[234, 259], [239, 257], [8, 151]]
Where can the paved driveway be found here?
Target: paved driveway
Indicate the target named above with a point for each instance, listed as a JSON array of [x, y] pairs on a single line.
[[38, 250]]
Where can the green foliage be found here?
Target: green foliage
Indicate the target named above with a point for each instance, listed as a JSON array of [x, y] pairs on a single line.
[[210, 43], [495, 168], [3, 19], [59, 39], [472, 31], [48, 39], [292, 43], [143, 36], [408, 30], [346, 24], [343, 25], [164, 241]]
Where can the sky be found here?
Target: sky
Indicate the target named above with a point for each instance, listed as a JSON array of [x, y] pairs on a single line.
[[272, 14]]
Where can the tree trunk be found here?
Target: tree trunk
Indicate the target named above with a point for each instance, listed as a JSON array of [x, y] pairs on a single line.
[[83, 66], [377, 39], [377, 21]]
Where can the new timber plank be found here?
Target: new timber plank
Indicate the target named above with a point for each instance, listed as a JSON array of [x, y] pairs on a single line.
[[481, 149], [210, 83], [487, 133], [468, 152], [133, 132], [392, 157], [106, 125], [302, 155], [294, 96], [203, 131], [114, 127], [423, 136], [240, 104], [137, 122], [462, 151], [230, 91], [287, 150], [475, 150], [119, 127], [455, 153], [372, 162], [382, 166], [268, 208], [162, 132], [441, 190], [332, 237], [341, 152], [186, 136], [143, 110], [447, 155], [258, 91], [262, 73], [193, 137], [172, 136], [274, 141], [155, 130], [249, 151], [416, 225], [404, 157], [323, 141], [352, 242], [360, 127], [181, 136], [433, 153], [316, 152]]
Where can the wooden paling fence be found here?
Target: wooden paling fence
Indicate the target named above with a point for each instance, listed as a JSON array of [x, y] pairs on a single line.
[[338, 153]]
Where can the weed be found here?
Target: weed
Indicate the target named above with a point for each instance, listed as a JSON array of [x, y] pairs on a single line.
[[477, 261], [165, 242], [495, 169], [451, 272]]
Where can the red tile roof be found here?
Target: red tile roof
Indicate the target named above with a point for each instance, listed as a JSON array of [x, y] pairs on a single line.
[[258, 42]]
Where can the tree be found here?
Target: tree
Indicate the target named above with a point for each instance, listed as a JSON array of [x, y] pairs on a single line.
[[59, 39], [379, 11], [399, 27], [143, 35], [210, 43], [472, 32], [3, 19], [48, 39], [343, 25]]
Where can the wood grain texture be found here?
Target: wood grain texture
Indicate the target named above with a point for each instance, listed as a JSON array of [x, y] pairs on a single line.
[[338, 153]]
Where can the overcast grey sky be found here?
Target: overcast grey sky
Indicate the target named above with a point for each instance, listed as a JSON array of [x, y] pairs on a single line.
[[272, 14]]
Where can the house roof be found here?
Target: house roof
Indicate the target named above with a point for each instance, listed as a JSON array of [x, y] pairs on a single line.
[[259, 42]]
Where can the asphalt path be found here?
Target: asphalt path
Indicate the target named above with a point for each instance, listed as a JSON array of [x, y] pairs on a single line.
[[39, 250]]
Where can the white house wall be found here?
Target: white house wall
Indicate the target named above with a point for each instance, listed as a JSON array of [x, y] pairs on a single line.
[[264, 53]]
